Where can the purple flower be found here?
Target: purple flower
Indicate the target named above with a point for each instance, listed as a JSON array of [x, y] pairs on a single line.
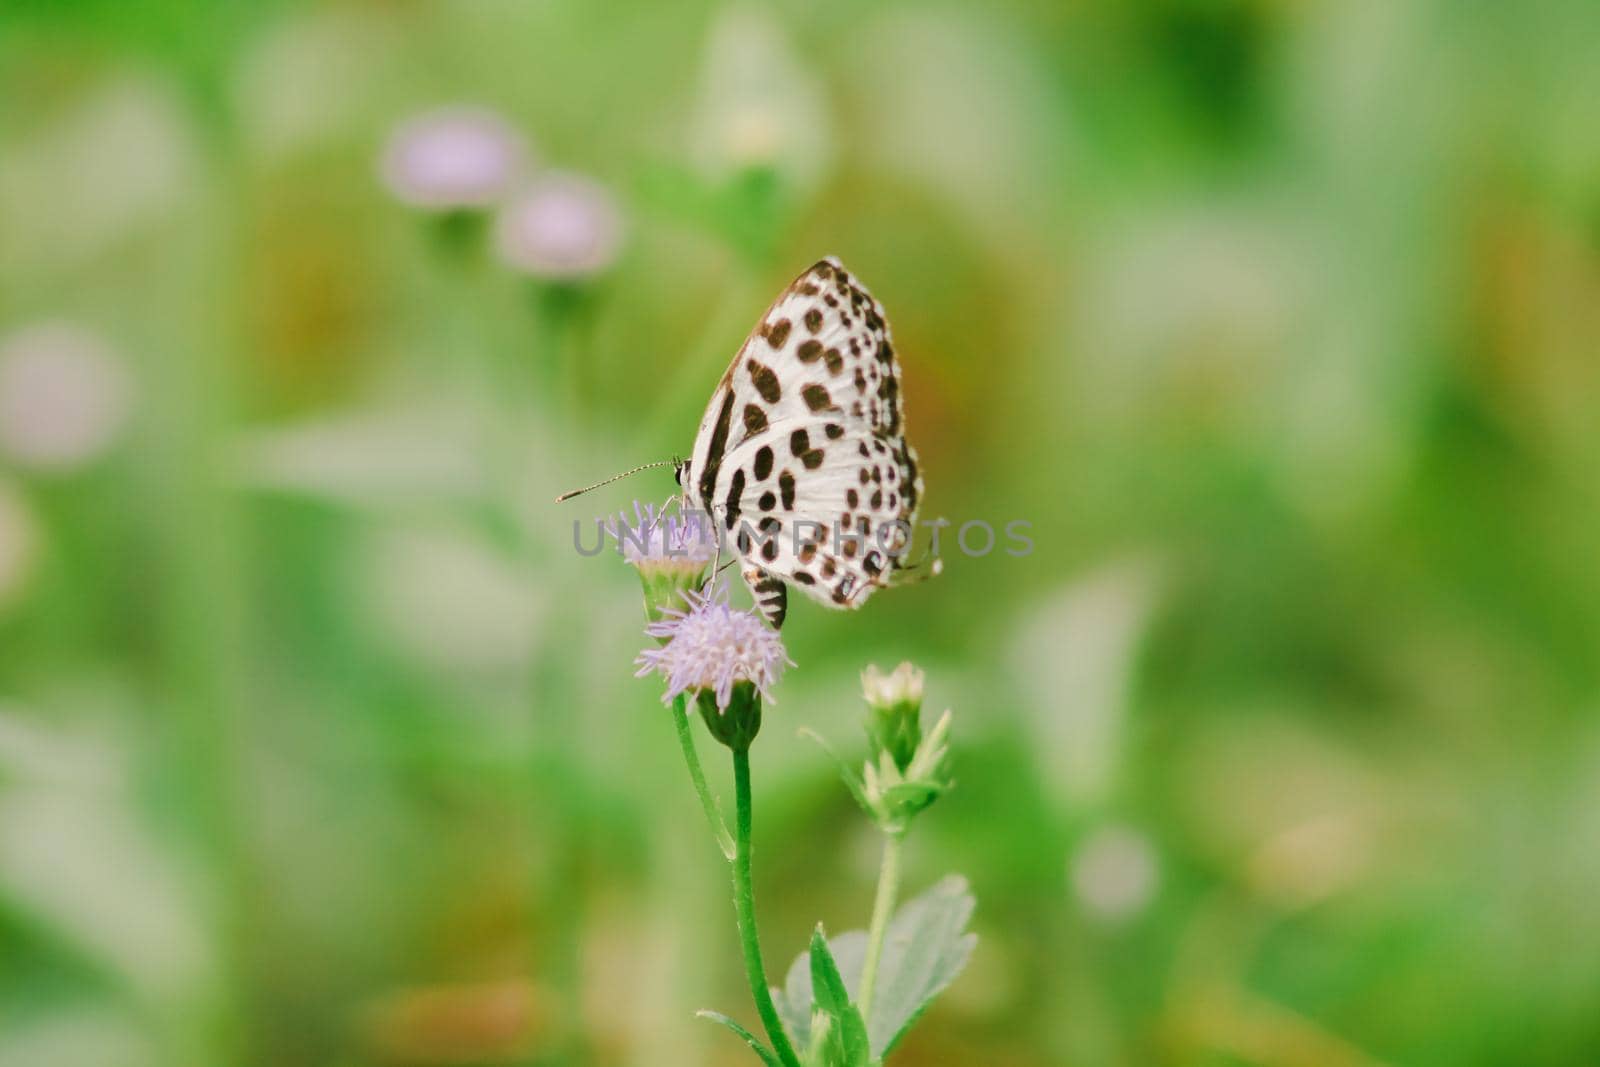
[[662, 544], [710, 647], [458, 157], [563, 227]]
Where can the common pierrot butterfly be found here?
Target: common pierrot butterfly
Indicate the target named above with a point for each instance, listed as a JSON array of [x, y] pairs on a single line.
[[802, 461]]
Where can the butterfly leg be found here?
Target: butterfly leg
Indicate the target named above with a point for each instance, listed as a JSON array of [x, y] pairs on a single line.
[[772, 596]]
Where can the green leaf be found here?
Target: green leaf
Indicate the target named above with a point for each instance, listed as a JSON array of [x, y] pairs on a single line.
[[846, 772], [849, 1039], [925, 948], [767, 1056], [827, 988]]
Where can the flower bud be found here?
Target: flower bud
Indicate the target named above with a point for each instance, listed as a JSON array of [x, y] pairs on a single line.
[[894, 703]]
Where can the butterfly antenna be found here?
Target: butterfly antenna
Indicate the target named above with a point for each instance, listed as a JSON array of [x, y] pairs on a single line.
[[615, 478]]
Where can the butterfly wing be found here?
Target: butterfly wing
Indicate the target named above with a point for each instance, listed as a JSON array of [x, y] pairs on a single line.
[[806, 426]]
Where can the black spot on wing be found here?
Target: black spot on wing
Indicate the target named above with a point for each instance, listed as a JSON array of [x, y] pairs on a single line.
[[816, 397], [735, 496], [765, 381], [716, 449], [773, 596]]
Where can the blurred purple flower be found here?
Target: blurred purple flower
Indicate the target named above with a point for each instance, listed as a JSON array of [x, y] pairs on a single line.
[[562, 227], [64, 396], [710, 647], [458, 157]]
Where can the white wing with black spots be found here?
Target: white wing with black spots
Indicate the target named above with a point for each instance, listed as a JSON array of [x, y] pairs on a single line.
[[807, 426]]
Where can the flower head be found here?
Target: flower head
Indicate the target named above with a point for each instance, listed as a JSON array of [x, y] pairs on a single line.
[[661, 544], [670, 552], [453, 158], [563, 227], [760, 108], [903, 685], [64, 396], [710, 647]]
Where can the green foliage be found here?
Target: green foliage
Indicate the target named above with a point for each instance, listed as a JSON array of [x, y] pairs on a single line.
[[926, 948], [838, 1036], [766, 1054], [1277, 321]]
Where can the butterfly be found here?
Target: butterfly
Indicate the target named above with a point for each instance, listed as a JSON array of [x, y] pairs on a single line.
[[802, 454]]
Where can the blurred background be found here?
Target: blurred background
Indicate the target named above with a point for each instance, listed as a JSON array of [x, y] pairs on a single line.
[[319, 745]]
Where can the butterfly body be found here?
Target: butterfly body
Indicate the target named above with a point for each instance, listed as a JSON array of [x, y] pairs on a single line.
[[801, 458]]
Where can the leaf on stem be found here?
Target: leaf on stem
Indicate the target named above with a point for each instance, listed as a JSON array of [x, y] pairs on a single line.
[[924, 950], [766, 1054]]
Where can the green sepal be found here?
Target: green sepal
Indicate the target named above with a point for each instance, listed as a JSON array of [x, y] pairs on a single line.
[[896, 729], [664, 588], [737, 724], [901, 802]]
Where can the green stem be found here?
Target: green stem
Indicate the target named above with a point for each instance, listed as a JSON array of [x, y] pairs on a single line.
[[719, 829], [882, 909], [744, 905]]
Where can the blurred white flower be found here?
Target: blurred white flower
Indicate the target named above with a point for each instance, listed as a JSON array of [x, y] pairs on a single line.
[[1314, 859], [1114, 872], [561, 227], [82, 863], [458, 157], [1233, 279], [959, 104], [1075, 659], [80, 1037], [313, 76], [117, 163], [450, 601], [64, 396], [382, 456], [19, 540], [758, 106]]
